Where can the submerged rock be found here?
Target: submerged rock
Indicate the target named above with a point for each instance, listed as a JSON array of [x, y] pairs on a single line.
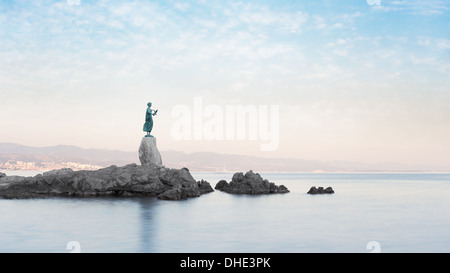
[[320, 190], [129, 180], [250, 183]]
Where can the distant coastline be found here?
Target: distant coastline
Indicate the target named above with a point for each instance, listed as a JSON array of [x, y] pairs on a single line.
[[16, 157]]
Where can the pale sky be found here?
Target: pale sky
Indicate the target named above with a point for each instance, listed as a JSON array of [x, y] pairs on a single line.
[[353, 81]]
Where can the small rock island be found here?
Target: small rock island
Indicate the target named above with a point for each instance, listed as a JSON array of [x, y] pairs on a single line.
[[250, 183], [320, 190]]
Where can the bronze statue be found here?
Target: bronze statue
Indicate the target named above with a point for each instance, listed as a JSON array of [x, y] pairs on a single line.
[[148, 125]]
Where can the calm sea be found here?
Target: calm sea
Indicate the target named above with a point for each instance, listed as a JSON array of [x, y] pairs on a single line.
[[368, 212]]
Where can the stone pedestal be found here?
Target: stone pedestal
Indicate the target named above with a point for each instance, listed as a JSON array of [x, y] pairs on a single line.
[[148, 152]]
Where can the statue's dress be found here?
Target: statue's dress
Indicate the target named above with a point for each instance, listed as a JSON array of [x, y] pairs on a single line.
[[148, 125]]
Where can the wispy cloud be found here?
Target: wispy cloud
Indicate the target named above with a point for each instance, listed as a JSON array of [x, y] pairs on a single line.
[[183, 6], [422, 7]]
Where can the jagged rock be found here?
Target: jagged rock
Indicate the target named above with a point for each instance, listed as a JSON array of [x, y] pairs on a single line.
[[204, 187], [2, 175], [148, 152], [250, 183], [129, 180], [320, 190], [221, 185]]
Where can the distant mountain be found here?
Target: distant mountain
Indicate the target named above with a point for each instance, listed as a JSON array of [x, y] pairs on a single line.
[[206, 161], [65, 153], [202, 161]]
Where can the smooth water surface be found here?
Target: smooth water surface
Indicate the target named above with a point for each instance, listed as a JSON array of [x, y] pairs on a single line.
[[401, 212]]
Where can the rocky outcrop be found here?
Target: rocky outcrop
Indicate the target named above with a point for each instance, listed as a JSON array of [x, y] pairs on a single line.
[[129, 180], [2, 175], [250, 183], [148, 152], [320, 190]]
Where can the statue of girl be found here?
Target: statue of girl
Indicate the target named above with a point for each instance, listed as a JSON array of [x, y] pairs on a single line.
[[148, 125]]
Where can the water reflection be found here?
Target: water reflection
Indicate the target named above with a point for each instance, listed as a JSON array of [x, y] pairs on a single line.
[[147, 207]]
